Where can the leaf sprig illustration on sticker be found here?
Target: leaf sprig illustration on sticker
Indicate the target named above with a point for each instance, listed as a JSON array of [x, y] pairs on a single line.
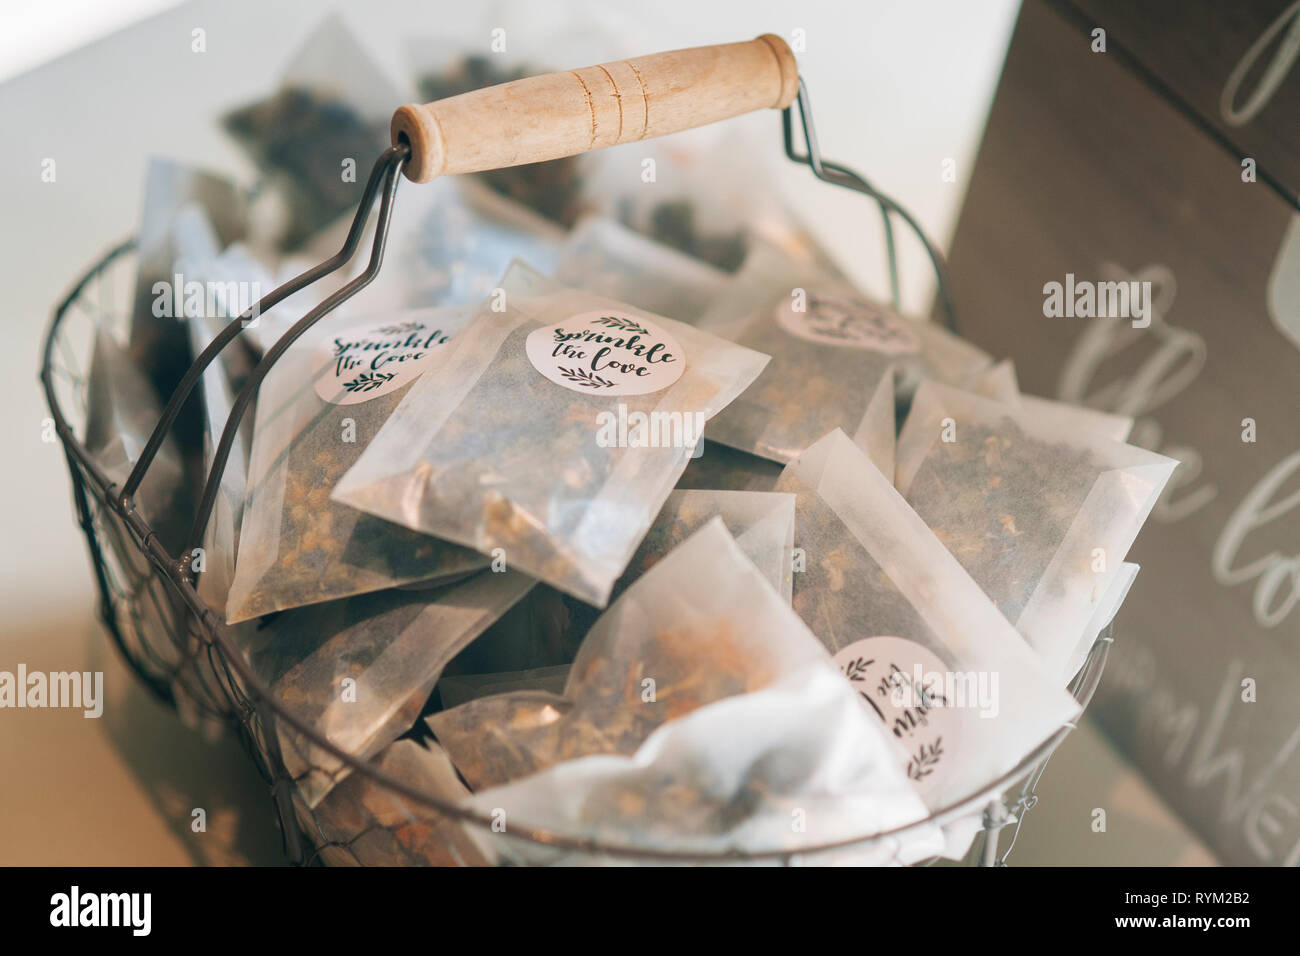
[[583, 377], [856, 668], [368, 381], [925, 760], [850, 320], [400, 328], [622, 324], [835, 332]]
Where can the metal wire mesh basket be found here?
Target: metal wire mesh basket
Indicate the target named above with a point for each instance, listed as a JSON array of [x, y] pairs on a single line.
[[184, 654]]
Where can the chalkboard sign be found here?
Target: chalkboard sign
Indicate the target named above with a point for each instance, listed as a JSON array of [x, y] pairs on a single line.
[[1114, 156]]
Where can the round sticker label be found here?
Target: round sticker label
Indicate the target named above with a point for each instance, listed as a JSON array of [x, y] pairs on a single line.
[[607, 353], [834, 319], [909, 689], [361, 364]]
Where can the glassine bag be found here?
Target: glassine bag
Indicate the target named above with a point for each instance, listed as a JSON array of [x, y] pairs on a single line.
[[331, 110], [761, 522], [121, 413], [316, 410], [694, 629], [551, 189], [833, 355], [701, 715], [720, 467], [542, 633], [605, 257], [462, 688], [173, 192], [1102, 617], [364, 823], [1041, 515], [359, 671], [960, 693], [451, 240], [550, 432], [999, 382], [534, 634], [215, 565], [709, 210]]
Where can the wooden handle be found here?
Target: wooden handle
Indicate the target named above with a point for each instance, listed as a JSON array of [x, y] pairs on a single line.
[[563, 114]]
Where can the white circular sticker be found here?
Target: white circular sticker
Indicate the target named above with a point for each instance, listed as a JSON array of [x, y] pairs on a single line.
[[908, 687], [607, 353], [833, 319], [361, 364]]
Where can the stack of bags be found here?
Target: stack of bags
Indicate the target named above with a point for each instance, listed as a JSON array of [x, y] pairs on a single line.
[[583, 533]]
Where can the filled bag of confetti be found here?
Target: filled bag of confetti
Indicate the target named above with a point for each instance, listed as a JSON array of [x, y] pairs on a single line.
[[1040, 515], [550, 432]]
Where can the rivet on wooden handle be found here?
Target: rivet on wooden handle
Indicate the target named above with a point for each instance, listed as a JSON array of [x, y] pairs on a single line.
[[563, 114]]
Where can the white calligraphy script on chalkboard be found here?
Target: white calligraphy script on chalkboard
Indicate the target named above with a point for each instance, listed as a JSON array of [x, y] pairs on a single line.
[[1261, 810], [1170, 369], [1270, 78], [1201, 687]]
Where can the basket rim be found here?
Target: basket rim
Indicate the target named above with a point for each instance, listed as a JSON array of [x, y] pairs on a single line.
[[1082, 687]]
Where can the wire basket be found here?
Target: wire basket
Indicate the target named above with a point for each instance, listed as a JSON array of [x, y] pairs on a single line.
[[185, 656]]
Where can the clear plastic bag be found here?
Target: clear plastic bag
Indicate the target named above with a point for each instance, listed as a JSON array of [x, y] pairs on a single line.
[[694, 629], [961, 693], [604, 257], [676, 192], [449, 242], [199, 245], [761, 522], [362, 822], [535, 633], [317, 135], [157, 338], [834, 355], [242, 273], [221, 537], [1040, 515], [550, 432], [1105, 613], [122, 410], [462, 688], [730, 470], [317, 409], [360, 670], [452, 240], [790, 766], [199, 249], [700, 715], [1000, 384]]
